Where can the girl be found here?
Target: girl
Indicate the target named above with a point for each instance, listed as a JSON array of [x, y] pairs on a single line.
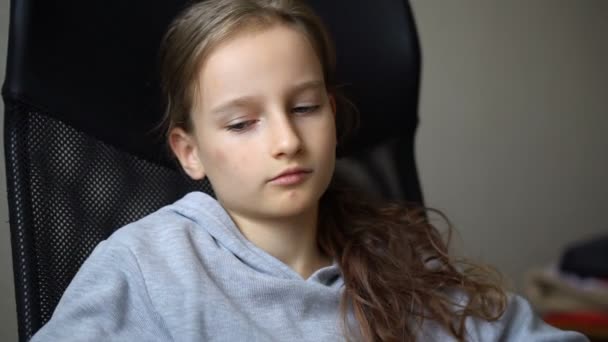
[[285, 252]]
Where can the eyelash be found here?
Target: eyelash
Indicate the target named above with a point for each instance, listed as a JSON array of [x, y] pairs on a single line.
[[305, 109], [242, 126]]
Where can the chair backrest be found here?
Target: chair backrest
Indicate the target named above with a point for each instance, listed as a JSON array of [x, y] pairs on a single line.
[[82, 99]]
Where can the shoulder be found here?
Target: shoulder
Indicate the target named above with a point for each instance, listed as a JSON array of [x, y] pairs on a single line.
[[173, 233], [519, 322], [186, 217], [159, 243]]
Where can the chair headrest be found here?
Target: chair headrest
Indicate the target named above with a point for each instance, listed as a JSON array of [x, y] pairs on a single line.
[[93, 65]]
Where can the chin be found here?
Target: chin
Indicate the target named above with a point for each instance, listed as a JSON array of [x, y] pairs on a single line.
[[295, 205]]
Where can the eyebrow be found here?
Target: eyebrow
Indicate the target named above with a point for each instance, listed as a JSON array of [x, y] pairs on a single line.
[[246, 100]]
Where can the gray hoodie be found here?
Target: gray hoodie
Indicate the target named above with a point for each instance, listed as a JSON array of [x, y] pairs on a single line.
[[186, 273]]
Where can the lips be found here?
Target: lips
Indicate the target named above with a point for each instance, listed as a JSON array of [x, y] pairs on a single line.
[[291, 176]]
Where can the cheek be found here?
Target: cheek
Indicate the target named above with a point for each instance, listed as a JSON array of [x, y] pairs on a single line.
[[223, 161], [219, 157], [328, 129], [321, 138], [230, 161]]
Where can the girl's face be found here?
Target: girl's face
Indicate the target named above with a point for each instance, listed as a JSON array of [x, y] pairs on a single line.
[[262, 109]]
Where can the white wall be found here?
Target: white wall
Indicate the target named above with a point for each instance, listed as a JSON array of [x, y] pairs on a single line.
[[513, 142], [514, 128]]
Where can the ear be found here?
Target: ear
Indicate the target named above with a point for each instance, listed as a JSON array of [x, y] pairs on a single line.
[[185, 148]]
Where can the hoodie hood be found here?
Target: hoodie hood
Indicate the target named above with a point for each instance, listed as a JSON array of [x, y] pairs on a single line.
[[209, 215]]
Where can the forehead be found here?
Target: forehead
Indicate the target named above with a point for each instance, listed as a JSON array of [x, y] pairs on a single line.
[[257, 63]]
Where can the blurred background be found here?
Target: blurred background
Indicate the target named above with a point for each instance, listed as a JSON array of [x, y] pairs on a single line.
[[513, 141], [513, 134]]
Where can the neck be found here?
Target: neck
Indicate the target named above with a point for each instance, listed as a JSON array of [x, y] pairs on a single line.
[[293, 240]]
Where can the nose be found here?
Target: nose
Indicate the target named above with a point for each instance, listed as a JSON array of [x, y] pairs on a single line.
[[285, 141]]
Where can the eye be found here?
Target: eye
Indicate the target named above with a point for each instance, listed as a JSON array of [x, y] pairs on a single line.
[[305, 109], [241, 126]]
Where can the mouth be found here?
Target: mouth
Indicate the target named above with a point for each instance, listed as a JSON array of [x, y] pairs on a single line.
[[291, 176]]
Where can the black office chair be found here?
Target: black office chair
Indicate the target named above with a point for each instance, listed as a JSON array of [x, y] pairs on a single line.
[[82, 100]]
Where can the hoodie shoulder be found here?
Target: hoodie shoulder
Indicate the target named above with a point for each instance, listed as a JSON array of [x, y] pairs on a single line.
[[176, 219], [519, 323]]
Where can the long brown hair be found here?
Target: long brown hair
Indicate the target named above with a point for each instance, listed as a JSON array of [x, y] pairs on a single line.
[[396, 266]]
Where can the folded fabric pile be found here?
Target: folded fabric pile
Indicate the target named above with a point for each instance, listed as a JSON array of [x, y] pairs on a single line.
[[573, 294]]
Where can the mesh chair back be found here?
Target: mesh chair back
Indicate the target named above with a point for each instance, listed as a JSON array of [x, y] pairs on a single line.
[[68, 191]]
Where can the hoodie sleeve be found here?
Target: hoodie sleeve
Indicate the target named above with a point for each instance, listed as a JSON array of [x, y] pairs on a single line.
[[520, 323], [106, 301]]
